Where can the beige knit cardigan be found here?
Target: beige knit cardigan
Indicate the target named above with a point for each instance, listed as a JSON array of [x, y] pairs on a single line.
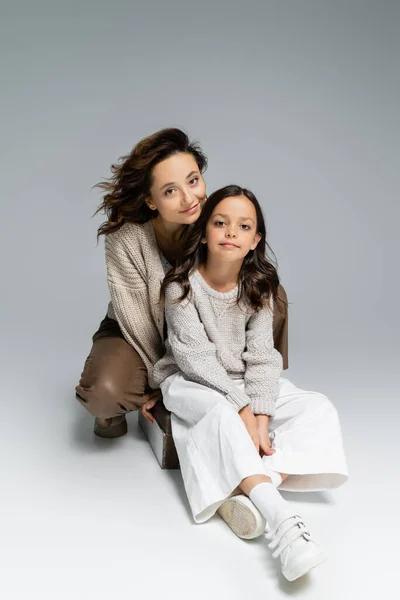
[[134, 275]]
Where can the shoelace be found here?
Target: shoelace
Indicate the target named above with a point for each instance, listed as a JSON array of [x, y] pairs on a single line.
[[292, 529]]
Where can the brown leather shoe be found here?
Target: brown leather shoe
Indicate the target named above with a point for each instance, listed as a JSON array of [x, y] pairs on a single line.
[[110, 428]]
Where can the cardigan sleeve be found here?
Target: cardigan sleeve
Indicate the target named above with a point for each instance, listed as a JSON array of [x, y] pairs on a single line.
[[194, 353], [263, 363], [130, 299]]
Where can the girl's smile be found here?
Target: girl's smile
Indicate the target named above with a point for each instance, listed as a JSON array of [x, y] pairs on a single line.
[[229, 245]]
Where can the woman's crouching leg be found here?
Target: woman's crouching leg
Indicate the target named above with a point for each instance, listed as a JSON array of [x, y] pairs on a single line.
[[113, 383]]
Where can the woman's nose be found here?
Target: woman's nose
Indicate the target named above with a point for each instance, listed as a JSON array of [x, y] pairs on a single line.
[[186, 197]]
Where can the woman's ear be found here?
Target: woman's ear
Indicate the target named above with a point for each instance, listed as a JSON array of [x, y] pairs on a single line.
[[203, 240], [150, 204]]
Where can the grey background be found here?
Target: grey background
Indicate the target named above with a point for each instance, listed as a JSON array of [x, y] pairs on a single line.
[[297, 100]]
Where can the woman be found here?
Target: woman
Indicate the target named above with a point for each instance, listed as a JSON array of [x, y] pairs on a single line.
[[152, 197]]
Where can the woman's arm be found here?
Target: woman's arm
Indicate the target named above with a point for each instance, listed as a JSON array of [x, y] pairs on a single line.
[[194, 353], [130, 300], [263, 364]]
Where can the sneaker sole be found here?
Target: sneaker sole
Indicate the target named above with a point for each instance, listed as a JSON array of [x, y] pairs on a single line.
[[242, 517]]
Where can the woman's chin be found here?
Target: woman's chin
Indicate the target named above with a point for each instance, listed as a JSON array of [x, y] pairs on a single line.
[[191, 217]]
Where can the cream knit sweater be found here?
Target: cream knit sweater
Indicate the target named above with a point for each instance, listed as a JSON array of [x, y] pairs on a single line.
[[134, 275], [212, 339]]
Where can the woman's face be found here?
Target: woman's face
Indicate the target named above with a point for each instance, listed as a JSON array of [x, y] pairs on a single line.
[[178, 190]]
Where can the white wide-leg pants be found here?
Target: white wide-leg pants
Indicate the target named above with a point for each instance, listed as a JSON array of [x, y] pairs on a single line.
[[216, 452]]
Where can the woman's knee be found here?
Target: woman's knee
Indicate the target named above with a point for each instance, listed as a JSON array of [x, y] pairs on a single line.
[[103, 398], [113, 380]]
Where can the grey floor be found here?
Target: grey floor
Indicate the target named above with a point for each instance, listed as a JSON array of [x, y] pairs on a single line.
[[84, 517]]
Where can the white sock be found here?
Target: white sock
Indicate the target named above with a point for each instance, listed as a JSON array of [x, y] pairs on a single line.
[[270, 503], [274, 477]]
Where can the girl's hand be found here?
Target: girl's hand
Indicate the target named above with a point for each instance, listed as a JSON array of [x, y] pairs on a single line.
[[153, 398], [265, 442], [251, 425]]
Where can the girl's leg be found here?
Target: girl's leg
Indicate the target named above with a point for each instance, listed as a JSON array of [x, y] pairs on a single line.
[[276, 508], [247, 484], [216, 455], [307, 440], [291, 540], [250, 482], [215, 451]]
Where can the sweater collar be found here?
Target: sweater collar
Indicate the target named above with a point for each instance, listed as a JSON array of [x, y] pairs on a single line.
[[226, 296]]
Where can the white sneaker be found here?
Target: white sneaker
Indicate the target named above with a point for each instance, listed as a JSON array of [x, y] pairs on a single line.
[[240, 514], [298, 551]]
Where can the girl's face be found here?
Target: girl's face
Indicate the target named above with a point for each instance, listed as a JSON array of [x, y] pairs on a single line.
[[178, 190], [231, 231]]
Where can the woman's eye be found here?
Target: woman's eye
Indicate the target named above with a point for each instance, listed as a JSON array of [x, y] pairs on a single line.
[[194, 180]]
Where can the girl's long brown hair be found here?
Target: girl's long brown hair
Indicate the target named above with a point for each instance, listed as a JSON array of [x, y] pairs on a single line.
[[129, 185], [258, 277]]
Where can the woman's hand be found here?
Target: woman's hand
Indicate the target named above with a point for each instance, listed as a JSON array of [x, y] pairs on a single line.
[[152, 399], [263, 435], [251, 425]]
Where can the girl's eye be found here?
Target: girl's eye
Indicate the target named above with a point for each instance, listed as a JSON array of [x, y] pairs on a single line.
[[246, 226], [218, 223], [167, 192]]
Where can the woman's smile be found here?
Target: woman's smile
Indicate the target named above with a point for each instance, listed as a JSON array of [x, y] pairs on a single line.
[[192, 210]]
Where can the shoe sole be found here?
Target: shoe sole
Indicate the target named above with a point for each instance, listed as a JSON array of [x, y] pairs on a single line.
[[242, 517], [114, 431], [303, 567]]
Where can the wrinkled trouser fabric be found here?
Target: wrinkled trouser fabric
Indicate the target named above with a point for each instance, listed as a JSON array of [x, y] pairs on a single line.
[[216, 452]]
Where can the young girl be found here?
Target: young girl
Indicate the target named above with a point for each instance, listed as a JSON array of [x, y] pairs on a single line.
[[236, 423]]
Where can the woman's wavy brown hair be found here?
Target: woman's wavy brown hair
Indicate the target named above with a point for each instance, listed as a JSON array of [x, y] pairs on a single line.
[[258, 277], [130, 182]]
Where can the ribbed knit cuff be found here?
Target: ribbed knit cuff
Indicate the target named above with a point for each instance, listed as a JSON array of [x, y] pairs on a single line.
[[263, 406], [238, 399]]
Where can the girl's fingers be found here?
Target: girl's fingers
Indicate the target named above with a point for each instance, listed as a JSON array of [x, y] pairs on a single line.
[[266, 448]]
